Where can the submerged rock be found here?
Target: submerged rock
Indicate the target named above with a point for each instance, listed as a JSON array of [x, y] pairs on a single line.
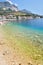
[[19, 63], [30, 63]]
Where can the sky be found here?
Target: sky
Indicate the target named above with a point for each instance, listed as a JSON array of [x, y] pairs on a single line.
[[35, 6]]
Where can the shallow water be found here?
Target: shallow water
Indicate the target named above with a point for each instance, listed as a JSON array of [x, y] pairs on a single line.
[[27, 34], [29, 30]]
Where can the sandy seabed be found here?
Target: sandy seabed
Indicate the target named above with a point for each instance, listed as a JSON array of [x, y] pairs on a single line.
[[17, 48]]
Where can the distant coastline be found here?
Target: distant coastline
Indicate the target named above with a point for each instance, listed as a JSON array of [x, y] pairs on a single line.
[[11, 12]]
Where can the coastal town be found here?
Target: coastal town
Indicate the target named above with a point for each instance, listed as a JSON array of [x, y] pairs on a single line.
[[10, 12]]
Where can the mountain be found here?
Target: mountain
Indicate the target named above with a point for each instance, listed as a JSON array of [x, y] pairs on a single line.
[[25, 11], [6, 5]]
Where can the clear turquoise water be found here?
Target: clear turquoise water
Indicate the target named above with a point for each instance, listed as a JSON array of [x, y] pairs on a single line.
[[31, 29], [28, 34], [35, 24]]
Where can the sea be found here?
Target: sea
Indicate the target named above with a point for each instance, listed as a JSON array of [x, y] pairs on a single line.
[[28, 34]]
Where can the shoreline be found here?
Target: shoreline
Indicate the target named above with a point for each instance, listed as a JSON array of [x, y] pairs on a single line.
[[2, 21]]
